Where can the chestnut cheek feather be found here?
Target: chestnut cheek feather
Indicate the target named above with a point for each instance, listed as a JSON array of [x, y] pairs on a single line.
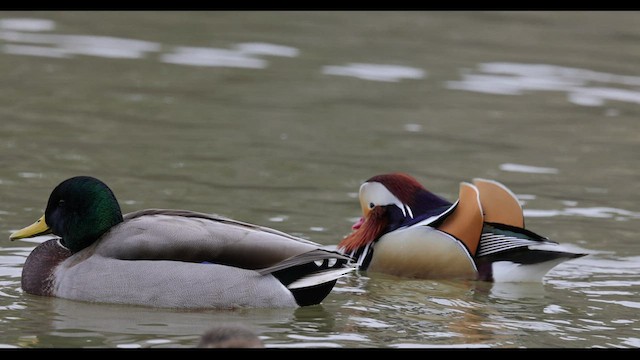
[[369, 229]]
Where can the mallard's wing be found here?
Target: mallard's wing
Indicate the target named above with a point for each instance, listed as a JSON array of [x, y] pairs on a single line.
[[182, 235]]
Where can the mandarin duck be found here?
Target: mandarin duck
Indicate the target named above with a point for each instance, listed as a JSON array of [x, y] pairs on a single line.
[[408, 231]]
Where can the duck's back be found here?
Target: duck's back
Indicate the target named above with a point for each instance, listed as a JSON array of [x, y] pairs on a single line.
[[197, 237]]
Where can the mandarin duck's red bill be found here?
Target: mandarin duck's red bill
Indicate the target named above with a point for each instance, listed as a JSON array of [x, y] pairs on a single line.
[[408, 231]]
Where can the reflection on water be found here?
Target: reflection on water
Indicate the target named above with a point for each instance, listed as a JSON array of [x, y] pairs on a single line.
[[27, 24], [375, 72], [364, 311], [527, 169], [517, 290], [65, 46], [212, 57], [68, 45], [242, 56], [594, 212], [519, 79], [494, 78], [278, 117]]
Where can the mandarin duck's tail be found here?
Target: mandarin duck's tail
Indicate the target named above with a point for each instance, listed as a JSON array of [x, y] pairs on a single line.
[[512, 254], [507, 251]]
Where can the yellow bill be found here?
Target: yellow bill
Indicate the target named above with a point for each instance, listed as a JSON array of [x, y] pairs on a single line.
[[39, 227]]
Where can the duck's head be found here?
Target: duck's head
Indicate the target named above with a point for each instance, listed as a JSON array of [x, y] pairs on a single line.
[[387, 202], [80, 210]]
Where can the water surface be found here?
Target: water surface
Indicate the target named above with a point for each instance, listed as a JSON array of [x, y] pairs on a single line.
[[276, 118]]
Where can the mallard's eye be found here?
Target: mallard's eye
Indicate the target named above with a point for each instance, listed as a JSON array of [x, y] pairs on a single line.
[[372, 205], [61, 203]]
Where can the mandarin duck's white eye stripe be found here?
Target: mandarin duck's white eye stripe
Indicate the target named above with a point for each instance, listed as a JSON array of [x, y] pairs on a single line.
[[377, 194], [408, 210], [363, 255]]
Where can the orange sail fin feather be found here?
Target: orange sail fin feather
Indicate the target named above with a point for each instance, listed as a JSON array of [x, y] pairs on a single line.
[[499, 204], [466, 221]]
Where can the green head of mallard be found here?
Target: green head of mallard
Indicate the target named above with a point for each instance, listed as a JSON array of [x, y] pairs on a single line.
[[79, 210]]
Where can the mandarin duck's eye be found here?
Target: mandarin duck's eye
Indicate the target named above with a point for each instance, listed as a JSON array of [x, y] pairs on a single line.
[[371, 205]]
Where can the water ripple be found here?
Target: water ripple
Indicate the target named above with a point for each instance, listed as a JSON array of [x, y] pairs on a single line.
[[67, 45], [27, 24], [601, 212], [504, 78], [375, 72], [629, 304], [333, 337], [200, 56], [430, 346], [369, 322], [259, 48], [241, 55], [527, 169]]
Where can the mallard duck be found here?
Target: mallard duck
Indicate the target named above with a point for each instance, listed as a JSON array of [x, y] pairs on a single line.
[[408, 231], [169, 258]]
